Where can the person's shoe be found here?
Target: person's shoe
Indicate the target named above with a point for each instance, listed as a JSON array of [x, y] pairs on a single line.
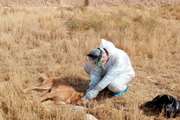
[[121, 93]]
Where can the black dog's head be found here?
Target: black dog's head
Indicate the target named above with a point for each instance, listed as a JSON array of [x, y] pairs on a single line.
[[166, 103]]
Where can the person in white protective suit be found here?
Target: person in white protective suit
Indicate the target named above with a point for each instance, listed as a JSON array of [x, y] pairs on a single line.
[[110, 67]]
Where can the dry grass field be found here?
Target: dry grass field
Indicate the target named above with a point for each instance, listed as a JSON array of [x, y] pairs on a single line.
[[55, 40]]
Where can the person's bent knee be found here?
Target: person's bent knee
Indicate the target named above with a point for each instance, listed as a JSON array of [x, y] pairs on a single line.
[[115, 88]]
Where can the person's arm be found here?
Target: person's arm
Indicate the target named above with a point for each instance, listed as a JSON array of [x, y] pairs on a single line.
[[117, 68], [95, 76], [110, 75], [114, 71]]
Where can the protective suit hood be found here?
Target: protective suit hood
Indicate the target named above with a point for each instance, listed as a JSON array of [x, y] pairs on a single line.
[[109, 46]]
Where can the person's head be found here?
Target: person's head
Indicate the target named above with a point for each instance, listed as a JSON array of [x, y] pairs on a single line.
[[98, 56]]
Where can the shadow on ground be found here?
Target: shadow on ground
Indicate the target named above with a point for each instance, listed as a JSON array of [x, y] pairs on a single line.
[[80, 85]]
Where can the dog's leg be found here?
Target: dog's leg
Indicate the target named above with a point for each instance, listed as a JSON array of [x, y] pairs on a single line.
[[40, 88], [47, 97], [46, 92], [58, 102]]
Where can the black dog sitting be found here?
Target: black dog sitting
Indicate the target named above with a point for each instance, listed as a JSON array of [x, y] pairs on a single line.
[[167, 103]]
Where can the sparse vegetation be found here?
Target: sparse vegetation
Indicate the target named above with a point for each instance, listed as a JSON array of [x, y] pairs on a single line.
[[55, 40]]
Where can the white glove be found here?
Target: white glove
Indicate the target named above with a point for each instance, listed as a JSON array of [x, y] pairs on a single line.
[[91, 94]]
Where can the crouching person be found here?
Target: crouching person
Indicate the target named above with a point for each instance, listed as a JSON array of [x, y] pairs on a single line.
[[109, 67]]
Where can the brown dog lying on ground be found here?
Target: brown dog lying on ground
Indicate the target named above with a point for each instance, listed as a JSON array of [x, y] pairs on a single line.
[[58, 91]]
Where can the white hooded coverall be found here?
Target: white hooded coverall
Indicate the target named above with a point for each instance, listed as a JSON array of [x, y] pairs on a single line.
[[115, 74]]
